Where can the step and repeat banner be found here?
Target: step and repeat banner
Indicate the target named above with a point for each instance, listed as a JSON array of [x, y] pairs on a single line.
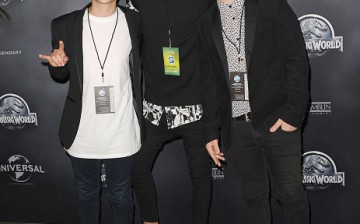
[[36, 180]]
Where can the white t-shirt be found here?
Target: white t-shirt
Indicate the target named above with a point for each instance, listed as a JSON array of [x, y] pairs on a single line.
[[111, 135]]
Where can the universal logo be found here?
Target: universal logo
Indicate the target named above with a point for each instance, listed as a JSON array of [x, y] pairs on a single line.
[[319, 171], [319, 35], [20, 169], [217, 173], [320, 108], [15, 113]]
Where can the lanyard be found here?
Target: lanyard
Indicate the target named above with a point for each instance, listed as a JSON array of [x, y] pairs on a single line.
[[241, 25], [102, 65], [166, 21]]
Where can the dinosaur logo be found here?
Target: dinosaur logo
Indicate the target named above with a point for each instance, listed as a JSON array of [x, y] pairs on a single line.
[[4, 16], [319, 35], [5, 2], [319, 171], [15, 113], [313, 28]]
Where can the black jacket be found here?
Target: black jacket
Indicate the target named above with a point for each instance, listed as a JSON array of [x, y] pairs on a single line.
[[68, 28], [167, 90], [277, 67]]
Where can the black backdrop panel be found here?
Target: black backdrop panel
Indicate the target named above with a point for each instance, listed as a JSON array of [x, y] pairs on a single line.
[[36, 179]]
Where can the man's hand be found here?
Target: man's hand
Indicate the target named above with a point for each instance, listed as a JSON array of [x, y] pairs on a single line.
[[283, 125], [214, 152], [58, 57]]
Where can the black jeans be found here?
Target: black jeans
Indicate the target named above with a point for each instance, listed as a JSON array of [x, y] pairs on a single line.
[[87, 174], [275, 158], [198, 163]]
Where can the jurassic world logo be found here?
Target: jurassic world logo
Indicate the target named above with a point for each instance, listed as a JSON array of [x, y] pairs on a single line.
[[15, 113], [319, 171], [319, 35], [5, 2], [20, 169], [4, 16]]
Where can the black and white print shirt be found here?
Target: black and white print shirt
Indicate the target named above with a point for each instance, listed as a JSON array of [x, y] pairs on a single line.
[[175, 115], [232, 20]]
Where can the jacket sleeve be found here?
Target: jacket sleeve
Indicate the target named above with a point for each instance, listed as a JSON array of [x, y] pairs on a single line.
[[292, 46], [210, 96], [57, 73]]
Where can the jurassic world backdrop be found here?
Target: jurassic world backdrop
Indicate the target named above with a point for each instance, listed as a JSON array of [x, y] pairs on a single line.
[[36, 180]]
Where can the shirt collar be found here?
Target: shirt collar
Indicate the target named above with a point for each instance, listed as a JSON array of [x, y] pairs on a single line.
[[234, 4]]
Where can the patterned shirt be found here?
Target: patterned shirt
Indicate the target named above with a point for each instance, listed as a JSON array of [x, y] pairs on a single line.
[[233, 19], [175, 115]]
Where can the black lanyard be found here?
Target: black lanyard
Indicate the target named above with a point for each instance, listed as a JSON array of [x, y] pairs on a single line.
[[241, 25], [166, 21], [102, 65]]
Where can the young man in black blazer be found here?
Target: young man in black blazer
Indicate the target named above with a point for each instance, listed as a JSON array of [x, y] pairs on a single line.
[[97, 50], [254, 54]]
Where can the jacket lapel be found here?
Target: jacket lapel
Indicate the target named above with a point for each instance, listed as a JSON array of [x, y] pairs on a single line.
[[216, 30], [250, 28], [131, 26], [134, 58], [134, 62], [76, 32]]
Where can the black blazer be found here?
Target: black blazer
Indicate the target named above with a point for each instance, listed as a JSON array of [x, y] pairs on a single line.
[[68, 28], [277, 66]]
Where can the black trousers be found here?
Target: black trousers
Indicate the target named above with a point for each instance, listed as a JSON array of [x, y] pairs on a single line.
[[275, 158], [198, 163], [88, 188]]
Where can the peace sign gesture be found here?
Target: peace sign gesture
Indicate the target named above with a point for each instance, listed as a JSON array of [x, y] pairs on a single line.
[[58, 57]]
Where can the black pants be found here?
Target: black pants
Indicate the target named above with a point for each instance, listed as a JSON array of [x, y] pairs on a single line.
[[275, 158], [198, 163], [88, 187]]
